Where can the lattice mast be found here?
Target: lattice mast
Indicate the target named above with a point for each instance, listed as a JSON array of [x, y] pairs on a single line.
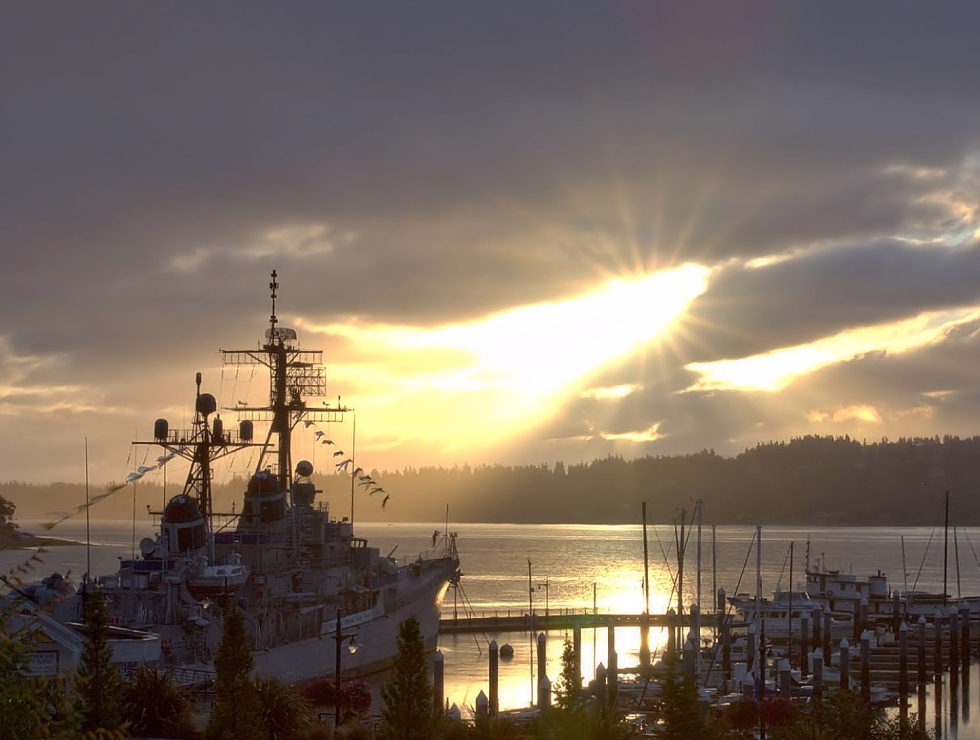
[[294, 375]]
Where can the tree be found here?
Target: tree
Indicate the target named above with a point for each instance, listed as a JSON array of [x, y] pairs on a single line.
[[408, 713], [153, 706], [678, 703], [7, 509], [236, 713], [99, 683], [283, 713], [566, 687]]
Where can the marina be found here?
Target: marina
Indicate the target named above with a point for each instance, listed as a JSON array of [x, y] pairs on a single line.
[[494, 562]]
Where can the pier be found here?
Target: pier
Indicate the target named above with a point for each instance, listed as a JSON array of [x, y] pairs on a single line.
[[560, 621]]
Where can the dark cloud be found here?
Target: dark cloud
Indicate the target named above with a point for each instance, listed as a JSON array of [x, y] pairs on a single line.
[[466, 159]]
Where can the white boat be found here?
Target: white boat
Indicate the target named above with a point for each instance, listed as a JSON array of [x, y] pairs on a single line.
[[294, 570], [784, 610]]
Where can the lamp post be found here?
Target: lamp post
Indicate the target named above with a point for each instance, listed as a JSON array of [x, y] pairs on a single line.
[[352, 646], [545, 586]]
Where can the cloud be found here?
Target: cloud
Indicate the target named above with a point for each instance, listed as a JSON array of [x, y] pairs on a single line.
[[430, 167]]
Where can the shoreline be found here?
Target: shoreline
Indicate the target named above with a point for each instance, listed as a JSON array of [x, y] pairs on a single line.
[[12, 539]]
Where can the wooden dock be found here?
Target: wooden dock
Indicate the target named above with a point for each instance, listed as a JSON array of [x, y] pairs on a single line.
[[492, 623]]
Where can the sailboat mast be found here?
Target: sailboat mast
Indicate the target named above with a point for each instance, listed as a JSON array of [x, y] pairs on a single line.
[[88, 530], [646, 562], [698, 595], [758, 563], [945, 549]]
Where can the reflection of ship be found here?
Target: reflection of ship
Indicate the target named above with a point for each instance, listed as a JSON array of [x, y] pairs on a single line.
[[291, 568]]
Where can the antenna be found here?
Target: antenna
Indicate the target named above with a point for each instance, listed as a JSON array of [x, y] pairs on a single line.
[[273, 286]]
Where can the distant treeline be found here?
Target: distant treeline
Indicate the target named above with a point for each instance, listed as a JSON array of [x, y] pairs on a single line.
[[809, 480]]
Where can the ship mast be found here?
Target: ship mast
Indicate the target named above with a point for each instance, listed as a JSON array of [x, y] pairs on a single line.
[[294, 375]]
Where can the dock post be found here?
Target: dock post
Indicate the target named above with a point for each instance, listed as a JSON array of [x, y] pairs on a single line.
[[804, 646], [818, 675], [671, 631], [600, 684], [865, 668], [861, 618], [784, 677], [612, 678], [954, 648], [965, 641], [689, 669], [645, 643], [544, 694], [577, 649], [542, 643], [817, 624], [726, 650], [493, 704], [921, 636], [896, 612], [611, 644], [903, 664], [826, 636], [439, 683], [750, 648], [695, 634], [939, 644], [845, 665], [482, 705]]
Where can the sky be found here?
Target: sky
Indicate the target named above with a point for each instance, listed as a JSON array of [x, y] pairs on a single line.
[[520, 232]]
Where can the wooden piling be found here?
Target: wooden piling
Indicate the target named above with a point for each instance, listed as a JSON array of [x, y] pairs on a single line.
[[845, 665], [865, 668], [804, 646], [577, 651], [493, 703], [922, 654], [818, 675], [438, 683], [954, 648], [903, 664]]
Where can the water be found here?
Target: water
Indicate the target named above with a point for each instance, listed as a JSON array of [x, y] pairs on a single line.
[[581, 567]]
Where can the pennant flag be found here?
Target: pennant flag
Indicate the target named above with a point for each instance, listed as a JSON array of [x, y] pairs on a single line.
[[338, 453], [144, 469], [307, 423], [358, 471], [327, 442], [384, 501], [318, 433]]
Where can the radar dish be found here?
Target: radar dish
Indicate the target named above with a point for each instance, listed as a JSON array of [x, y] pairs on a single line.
[[281, 332], [147, 546]]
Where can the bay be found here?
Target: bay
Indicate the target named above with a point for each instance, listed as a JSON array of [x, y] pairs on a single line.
[[580, 567]]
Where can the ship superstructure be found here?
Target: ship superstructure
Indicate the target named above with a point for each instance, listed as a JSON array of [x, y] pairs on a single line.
[[294, 571]]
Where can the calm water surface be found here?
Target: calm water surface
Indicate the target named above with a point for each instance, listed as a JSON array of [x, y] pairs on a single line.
[[581, 567]]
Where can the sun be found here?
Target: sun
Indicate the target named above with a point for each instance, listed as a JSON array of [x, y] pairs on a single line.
[[541, 348], [479, 382]]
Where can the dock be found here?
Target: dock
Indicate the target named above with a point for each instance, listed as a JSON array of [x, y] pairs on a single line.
[[492, 623]]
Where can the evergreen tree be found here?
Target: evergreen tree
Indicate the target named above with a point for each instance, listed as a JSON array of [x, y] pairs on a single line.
[[408, 713], [99, 683], [678, 704], [566, 687], [236, 713]]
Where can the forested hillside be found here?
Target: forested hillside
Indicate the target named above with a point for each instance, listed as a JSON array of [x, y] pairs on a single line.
[[818, 480]]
